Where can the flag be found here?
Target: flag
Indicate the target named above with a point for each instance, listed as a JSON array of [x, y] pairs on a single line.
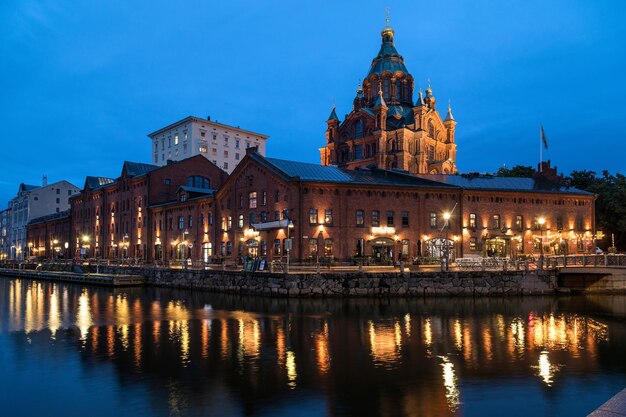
[[543, 138]]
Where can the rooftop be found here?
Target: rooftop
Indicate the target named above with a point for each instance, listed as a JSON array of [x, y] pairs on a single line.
[[208, 122], [490, 182]]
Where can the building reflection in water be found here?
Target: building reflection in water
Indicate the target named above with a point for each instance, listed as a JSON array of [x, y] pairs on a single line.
[[268, 353], [453, 396], [385, 342]]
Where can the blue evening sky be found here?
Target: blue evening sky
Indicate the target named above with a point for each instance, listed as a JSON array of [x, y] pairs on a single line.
[[83, 82]]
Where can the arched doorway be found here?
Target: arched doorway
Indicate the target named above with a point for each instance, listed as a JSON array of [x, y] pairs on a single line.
[[382, 249], [252, 246]]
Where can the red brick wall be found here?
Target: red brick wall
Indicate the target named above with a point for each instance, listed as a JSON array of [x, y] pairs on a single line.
[[529, 205], [41, 237]]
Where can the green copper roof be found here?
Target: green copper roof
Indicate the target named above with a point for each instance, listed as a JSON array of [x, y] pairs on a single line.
[[333, 115], [388, 59], [420, 100], [134, 169], [97, 182]]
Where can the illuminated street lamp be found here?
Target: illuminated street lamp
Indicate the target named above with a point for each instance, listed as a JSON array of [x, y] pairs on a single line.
[[55, 242], [444, 265], [85, 239], [183, 248], [124, 245], [288, 245], [541, 221]]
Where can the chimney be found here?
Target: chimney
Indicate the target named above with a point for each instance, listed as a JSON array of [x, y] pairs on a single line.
[[44, 181], [252, 149], [208, 118]]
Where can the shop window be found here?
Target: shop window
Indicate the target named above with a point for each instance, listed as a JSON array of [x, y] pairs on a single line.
[[328, 248]]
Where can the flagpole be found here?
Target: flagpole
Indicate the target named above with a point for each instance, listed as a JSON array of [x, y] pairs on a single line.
[[540, 151]]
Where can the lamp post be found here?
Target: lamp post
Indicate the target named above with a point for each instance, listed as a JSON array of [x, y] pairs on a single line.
[[124, 245], [55, 242], [183, 249], [444, 265], [288, 245], [85, 245], [541, 221]]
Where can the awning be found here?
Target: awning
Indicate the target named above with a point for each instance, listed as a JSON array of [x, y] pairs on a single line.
[[382, 241], [277, 224]]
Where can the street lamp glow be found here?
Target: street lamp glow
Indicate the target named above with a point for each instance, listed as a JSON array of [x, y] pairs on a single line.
[[85, 238], [446, 216], [541, 220]]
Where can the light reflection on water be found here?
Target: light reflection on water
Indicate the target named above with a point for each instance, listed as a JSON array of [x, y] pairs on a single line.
[[402, 357]]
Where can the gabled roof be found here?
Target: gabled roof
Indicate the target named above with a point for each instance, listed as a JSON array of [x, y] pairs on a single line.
[[489, 182], [28, 187], [135, 169], [398, 116], [97, 182], [308, 172]]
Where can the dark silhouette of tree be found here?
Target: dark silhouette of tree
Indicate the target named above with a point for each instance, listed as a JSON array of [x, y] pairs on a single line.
[[610, 204], [517, 171]]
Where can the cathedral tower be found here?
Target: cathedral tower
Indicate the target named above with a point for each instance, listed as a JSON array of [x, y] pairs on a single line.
[[385, 128]]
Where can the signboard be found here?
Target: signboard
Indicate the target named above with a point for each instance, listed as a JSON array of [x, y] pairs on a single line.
[[383, 230], [288, 244], [83, 251], [262, 265]]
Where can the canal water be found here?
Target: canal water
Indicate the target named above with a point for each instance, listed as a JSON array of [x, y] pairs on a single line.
[[72, 350]]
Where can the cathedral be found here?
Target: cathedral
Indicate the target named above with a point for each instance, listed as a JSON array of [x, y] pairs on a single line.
[[385, 128]]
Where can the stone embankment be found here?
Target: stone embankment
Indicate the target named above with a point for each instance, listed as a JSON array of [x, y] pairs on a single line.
[[352, 284]]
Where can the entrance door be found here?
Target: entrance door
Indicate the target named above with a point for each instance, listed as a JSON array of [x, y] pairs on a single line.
[[382, 249], [497, 247], [207, 251]]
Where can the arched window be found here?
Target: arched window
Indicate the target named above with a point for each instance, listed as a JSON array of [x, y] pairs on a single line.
[[386, 89], [431, 129], [358, 129], [199, 182]]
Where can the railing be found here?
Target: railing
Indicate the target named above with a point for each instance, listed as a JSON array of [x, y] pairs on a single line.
[[599, 260]]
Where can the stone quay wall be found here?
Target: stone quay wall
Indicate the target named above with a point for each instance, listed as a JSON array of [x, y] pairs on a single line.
[[352, 284]]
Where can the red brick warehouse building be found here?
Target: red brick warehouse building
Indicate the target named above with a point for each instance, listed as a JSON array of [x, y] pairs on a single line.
[[111, 217], [387, 182]]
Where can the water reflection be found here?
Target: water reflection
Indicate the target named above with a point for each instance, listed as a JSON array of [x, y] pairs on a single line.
[[401, 357]]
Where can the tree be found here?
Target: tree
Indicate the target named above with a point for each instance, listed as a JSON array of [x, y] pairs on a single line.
[[517, 171], [610, 204]]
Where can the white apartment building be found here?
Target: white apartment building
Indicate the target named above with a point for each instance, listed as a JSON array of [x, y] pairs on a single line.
[[31, 202], [5, 217], [221, 144]]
